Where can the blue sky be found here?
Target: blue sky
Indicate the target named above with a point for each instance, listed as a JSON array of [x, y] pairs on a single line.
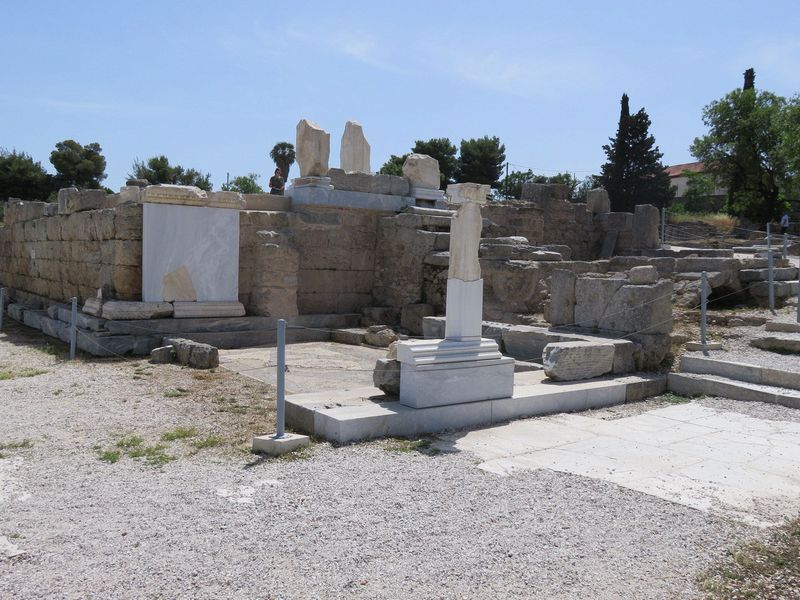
[[214, 85]]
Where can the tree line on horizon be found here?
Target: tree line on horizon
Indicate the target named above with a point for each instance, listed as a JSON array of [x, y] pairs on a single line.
[[752, 149]]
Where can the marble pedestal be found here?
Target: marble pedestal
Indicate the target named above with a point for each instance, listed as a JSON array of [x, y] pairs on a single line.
[[464, 309], [443, 372]]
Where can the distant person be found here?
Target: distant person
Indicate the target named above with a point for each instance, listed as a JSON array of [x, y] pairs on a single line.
[[784, 223], [276, 183]]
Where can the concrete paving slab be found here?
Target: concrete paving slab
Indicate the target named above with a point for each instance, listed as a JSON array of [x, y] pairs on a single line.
[[725, 463]]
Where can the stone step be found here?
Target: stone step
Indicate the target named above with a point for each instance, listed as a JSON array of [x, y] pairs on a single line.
[[783, 289], [689, 384], [782, 327], [682, 252], [354, 336], [744, 372], [778, 274]]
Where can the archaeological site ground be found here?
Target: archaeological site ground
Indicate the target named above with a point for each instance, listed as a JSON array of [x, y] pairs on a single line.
[[481, 397]]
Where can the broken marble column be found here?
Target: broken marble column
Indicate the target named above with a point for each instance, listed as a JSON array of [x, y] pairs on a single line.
[[422, 172], [463, 367], [354, 152], [464, 283], [312, 148]]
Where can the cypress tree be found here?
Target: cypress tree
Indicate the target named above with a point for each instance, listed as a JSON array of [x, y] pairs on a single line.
[[633, 173]]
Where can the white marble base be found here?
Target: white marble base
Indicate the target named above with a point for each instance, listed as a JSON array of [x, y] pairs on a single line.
[[427, 194], [442, 372], [464, 309], [190, 253], [189, 310]]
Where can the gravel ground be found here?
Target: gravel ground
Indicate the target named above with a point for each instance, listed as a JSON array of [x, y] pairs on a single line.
[[377, 520]]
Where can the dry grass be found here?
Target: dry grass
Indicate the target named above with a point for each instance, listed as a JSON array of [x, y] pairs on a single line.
[[758, 569], [720, 221]]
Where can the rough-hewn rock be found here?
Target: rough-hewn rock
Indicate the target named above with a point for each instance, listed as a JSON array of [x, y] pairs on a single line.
[[422, 171], [597, 201], [570, 361], [386, 376], [354, 152], [380, 336], [193, 354], [643, 275], [312, 149], [162, 355]]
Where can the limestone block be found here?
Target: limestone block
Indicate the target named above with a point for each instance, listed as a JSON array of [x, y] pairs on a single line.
[[571, 361], [312, 149], [643, 275], [131, 194], [647, 226], [127, 222], [422, 171], [185, 310], [121, 310], [72, 200], [380, 315], [597, 201], [411, 317], [562, 297], [186, 195], [592, 296], [162, 355], [53, 227], [354, 152], [93, 306], [103, 224], [226, 200], [380, 336], [639, 308], [386, 376], [369, 183], [194, 354]]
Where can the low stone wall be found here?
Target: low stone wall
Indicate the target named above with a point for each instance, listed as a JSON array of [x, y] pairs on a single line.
[[65, 255]]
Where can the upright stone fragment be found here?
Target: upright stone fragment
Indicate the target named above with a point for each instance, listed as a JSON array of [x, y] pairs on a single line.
[[422, 171], [354, 153], [597, 201], [313, 147], [570, 361]]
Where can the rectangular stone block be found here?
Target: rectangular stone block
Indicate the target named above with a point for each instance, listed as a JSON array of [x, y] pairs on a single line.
[[120, 310], [571, 361]]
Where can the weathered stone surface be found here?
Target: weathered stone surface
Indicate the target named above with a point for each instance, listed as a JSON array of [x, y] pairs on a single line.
[[643, 275], [186, 195], [562, 297], [592, 296], [186, 310], [646, 226], [194, 354], [422, 171], [597, 201], [350, 336], [639, 308], [162, 355], [130, 193], [354, 152], [386, 376], [380, 315], [544, 192], [313, 147], [571, 361], [93, 306], [71, 200], [411, 317], [772, 343], [367, 183], [120, 310], [16, 312], [380, 336]]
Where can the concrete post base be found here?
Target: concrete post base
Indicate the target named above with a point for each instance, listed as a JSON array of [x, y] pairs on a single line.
[[269, 444]]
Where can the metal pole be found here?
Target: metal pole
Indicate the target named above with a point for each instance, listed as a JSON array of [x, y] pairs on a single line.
[[769, 239], [703, 303], [2, 305], [785, 245], [73, 328], [771, 281], [663, 226], [281, 416]]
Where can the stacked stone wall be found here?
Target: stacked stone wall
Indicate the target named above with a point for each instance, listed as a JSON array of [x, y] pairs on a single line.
[[60, 256]]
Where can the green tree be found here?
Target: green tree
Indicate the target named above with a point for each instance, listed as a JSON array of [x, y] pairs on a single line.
[[443, 150], [699, 191], [79, 166], [394, 166], [516, 179], [158, 170], [283, 155], [481, 161], [22, 177], [245, 184], [748, 148], [633, 173]]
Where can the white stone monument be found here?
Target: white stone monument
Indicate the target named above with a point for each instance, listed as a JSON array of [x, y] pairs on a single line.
[[313, 148], [463, 367], [190, 250], [354, 152]]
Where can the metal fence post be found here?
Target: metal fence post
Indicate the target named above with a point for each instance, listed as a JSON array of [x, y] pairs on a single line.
[[703, 303], [771, 281], [73, 328], [281, 401], [663, 226], [769, 239], [2, 305]]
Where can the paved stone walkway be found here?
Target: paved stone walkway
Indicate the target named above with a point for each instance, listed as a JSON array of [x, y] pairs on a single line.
[[721, 462]]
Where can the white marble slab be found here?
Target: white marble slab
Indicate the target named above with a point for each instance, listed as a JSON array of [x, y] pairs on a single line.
[[198, 241]]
